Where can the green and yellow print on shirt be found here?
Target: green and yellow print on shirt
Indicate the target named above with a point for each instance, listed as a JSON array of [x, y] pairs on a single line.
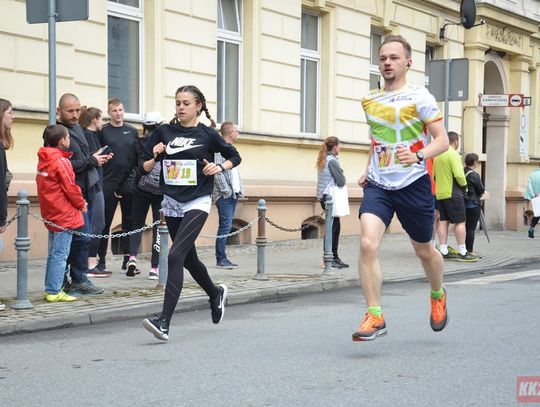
[[398, 118]]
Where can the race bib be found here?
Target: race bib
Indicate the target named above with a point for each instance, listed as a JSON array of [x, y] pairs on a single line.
[[180, 172], [386, 159]]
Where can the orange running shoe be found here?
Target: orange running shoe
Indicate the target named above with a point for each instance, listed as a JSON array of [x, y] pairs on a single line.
[[370, 327], [439, 315]]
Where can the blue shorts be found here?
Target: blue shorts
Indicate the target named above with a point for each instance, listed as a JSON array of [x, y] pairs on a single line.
[[413, 206]]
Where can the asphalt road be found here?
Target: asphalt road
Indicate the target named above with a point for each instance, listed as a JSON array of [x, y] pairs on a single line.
[[295, 352]]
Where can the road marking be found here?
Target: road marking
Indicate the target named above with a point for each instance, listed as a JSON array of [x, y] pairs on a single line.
[[499, 278]]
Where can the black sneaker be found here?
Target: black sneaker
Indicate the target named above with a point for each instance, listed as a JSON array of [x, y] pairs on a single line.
[[131, 268], [100, 271], [85, 288], [159, 327], [124, 262], [338, 264], [531, 232], [217, 304]]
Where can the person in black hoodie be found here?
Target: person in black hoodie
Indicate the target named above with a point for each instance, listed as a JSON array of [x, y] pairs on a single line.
[[144, 198], [118, 175], [6, 142], [473, 208], [91, 120], [85, 167], [186, 149]]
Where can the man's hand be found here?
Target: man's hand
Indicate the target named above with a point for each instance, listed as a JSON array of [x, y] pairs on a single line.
[[406, 156], [362, 181]]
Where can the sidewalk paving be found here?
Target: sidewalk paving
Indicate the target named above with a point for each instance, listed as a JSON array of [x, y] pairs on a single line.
[[292, 267]]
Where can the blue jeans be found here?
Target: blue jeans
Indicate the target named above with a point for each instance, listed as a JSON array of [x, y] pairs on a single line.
[[225, 207], [78, 254], [97, 220], [59, 244]]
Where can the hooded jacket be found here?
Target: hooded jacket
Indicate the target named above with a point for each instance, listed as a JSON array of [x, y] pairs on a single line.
[[60, 198]]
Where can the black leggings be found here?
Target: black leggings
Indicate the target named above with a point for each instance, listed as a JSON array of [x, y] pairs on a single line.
[[471, 220], [534, 221], [184, 232]]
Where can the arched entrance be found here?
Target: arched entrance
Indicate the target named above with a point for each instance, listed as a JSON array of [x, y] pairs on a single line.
[[495, 143]]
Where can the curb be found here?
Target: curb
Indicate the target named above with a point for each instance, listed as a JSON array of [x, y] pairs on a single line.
[[236, 297]]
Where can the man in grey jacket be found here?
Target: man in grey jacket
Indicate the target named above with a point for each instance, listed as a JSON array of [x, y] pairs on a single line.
[[228, 188]]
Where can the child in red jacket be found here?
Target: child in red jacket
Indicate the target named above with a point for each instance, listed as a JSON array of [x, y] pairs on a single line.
[[61, 202]]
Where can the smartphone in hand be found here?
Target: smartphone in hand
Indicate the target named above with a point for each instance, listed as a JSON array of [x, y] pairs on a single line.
[[106, 150]]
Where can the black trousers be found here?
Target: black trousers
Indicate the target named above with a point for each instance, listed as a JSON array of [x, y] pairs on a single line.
[[111, 203], [336, 230], [472, 215], [184, 232], [141, 204]]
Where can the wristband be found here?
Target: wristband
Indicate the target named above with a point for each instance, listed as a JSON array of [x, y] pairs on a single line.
[[222, 167]]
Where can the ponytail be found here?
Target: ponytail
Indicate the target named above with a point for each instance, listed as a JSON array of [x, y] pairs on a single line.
[[326, 147]]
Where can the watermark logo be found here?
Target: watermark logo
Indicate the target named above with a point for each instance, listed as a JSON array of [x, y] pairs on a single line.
[[528, 389]]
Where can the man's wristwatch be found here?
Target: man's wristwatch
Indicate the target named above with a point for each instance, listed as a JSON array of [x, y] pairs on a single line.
[[222, 167], [420, 156]]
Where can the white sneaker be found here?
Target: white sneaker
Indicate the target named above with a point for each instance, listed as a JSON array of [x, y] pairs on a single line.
[[153, 275], [2, 306]]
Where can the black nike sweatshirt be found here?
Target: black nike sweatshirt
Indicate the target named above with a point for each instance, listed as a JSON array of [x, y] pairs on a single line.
[[189, 143]]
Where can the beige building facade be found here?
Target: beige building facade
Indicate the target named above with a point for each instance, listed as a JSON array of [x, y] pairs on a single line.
[[290, 73]]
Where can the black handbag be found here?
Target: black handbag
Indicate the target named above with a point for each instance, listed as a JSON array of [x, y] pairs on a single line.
[[150, 182]]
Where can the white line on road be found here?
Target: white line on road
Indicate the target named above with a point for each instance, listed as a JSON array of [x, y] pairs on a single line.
[[499, 278]]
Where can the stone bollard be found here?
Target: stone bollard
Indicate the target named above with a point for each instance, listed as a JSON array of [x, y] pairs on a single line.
[[22, 245], [163, 236], [327, 256], [261, 241]]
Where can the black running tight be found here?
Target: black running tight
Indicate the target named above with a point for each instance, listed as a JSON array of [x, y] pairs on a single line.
[[182, 254]]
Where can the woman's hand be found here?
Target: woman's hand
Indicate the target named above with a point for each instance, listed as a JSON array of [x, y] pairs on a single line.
[[211, 168], [158, 149]]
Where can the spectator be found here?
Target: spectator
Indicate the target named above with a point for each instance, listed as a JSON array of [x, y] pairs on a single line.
[[118, 176], [61, 202], [145, 196], [6, 142], [533, 190], [228, 188], [330, 176], [91, 120], [473, 208], [451, 185], [85, 167]]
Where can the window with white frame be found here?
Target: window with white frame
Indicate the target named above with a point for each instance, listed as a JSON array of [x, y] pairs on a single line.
[[430, 54], [375, 77], [310, 58], [124, 59], [229, 56]]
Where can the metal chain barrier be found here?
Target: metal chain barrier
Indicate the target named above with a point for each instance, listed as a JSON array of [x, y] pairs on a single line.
[[90, 235], [301, 228], [236, 232], [13, 218]]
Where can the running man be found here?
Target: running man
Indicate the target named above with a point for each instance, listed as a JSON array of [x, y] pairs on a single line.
[[399, 116]]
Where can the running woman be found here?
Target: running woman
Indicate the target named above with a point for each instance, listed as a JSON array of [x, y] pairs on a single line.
[[186, 148], [396, 181]]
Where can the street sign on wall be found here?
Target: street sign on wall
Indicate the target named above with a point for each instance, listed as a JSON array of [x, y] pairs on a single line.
[[509, 100]]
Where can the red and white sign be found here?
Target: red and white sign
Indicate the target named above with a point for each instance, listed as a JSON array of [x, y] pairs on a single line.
[[528, 389], [509, 100]]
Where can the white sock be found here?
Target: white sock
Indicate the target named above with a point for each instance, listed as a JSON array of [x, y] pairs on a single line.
[[462, 250], [443, 248]]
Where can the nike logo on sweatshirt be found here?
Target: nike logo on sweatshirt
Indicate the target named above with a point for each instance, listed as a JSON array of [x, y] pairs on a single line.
[[180, 144]]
